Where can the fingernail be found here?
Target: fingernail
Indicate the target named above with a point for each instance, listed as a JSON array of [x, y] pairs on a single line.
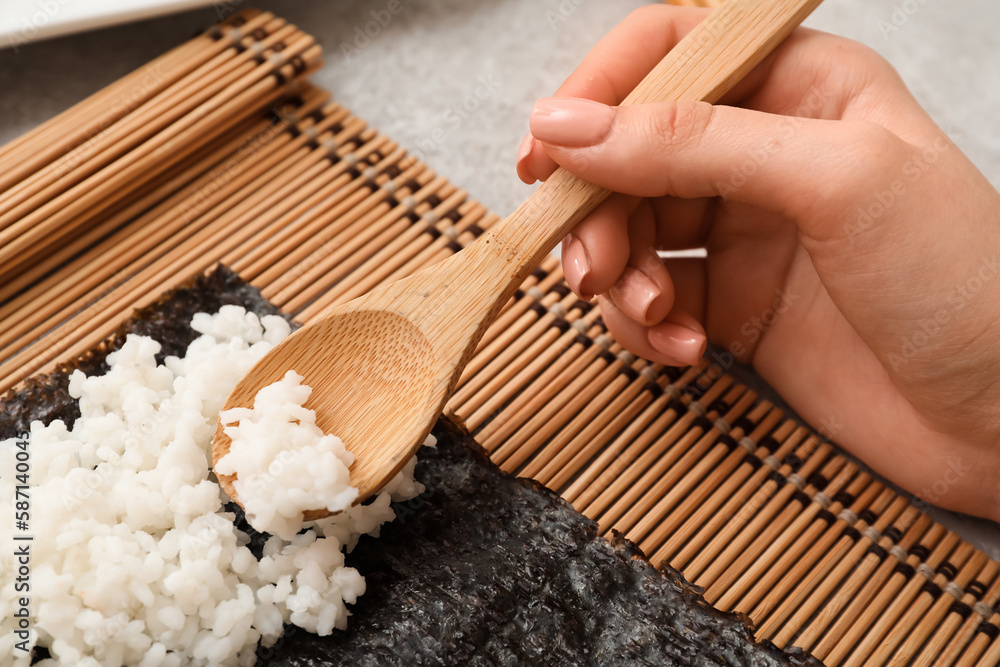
[[523, 153], [576, 265], [679, 342], [637, 289], [570, 121]]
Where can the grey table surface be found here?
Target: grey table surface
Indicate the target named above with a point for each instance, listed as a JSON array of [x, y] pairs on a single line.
[[454, 80]]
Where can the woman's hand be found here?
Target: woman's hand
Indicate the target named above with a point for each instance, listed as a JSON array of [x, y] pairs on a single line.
[[853, 252]]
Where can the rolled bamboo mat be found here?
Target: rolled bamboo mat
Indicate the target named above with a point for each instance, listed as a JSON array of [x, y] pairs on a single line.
[[308, 203]]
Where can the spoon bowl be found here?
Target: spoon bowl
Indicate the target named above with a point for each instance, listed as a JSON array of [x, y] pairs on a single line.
[[383, 366], [367, 359]]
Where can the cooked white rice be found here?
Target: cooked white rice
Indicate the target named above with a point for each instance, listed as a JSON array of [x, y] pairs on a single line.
[[284, 464], [134, 561]]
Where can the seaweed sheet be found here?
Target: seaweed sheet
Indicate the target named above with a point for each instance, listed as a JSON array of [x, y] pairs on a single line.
[[482, 569]]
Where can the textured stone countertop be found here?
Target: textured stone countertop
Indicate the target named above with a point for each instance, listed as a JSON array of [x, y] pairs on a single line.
[[454, 79]]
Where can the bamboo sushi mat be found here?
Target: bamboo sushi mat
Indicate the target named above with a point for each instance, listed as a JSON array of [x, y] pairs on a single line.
[[220, 152]]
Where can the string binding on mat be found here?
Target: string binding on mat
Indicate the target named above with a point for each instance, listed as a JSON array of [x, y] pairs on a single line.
[[626, 357], [954, 590], [822, 500], [847, 516]]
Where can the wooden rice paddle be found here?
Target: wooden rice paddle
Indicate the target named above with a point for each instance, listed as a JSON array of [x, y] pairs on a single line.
[[383, 366]]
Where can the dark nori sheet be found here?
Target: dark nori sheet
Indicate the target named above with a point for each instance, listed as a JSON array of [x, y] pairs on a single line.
[[487, 569], [481, 569]]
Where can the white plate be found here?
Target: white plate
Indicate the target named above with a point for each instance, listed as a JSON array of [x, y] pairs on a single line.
[[23, 21]]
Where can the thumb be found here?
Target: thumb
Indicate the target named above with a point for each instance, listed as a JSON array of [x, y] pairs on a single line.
[[811, 171]]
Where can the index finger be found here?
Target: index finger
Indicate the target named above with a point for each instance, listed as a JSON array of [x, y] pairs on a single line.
[[616, 65], [629, 52]]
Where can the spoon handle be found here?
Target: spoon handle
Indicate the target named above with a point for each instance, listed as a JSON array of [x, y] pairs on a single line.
[[708, 62]]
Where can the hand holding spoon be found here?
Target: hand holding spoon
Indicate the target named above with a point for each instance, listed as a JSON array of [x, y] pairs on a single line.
[[383, 366]]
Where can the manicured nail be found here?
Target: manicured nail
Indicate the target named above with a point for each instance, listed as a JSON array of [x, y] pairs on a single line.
[[576, 265], [636, 289], [570, 121], [678, 342], [523, 153]]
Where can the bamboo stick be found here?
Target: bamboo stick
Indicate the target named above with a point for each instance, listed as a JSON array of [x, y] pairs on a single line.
[[107, 258], [576, 446], [741, 527], [861, 589], [881, 637], [520, 322], [286, 279], [730, 498], [145, 123], [375, 228], [25, 155], [711, 473], [831, 569], [266, 191], [537, 362], [948, 621], [167, 191], [531, 400], [984, 649], [571, 415], [631, 514], [546, 406], [78, 204], [983, 604], [766, 528], [688, 470], [496, 368], [387, 257], [930, 609], [615, 462], [263, 261], [786, 571]]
